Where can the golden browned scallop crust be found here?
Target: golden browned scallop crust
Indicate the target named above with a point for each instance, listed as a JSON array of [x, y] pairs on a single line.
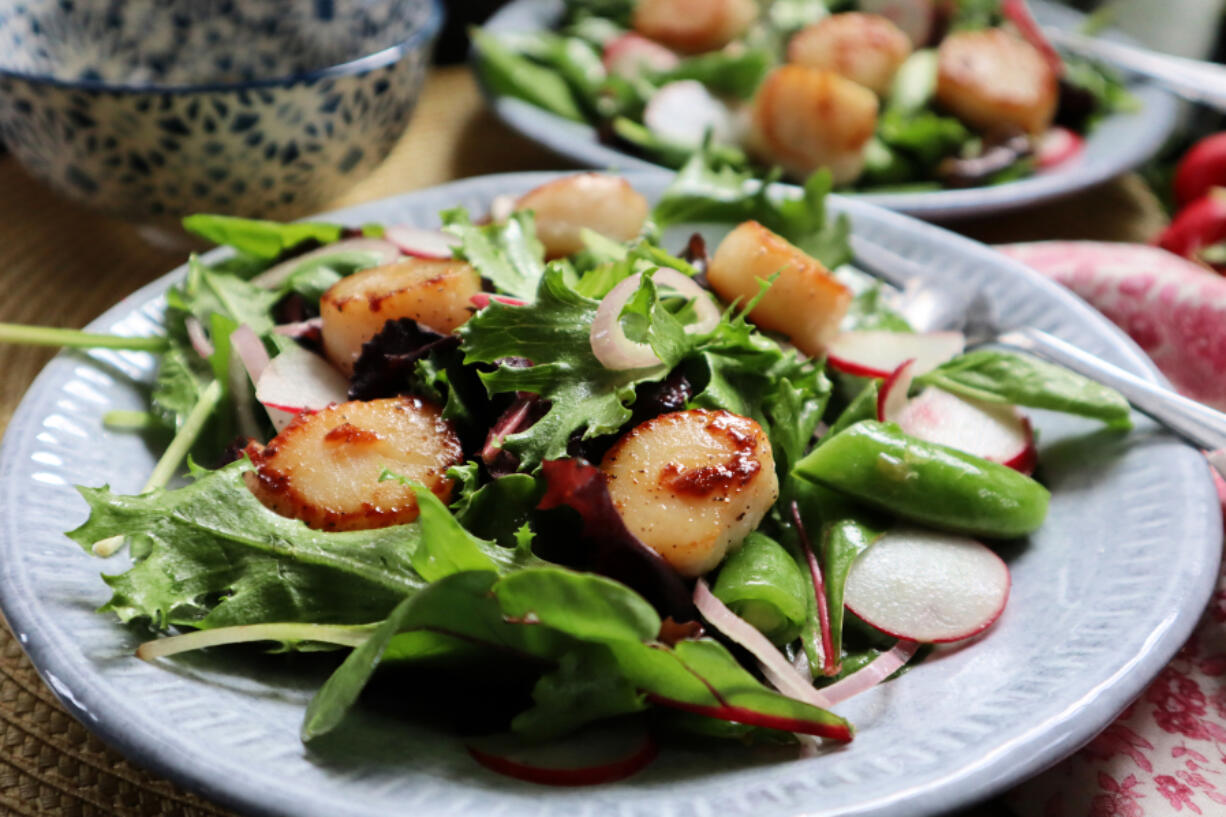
[[694, 26], [805, 302], [807, 118], [865, 48], [994, 81], [598, 202], [692, 484], [435, 293], [324, 467]]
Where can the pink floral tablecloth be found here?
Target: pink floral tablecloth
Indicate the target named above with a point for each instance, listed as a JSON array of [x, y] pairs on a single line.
[[1166, 754]]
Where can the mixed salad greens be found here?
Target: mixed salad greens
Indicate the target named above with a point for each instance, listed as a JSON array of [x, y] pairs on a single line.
[[605, 494], [908, 95]]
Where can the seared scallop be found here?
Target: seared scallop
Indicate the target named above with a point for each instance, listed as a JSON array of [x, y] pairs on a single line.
[[805, 302], [435, 293], [807, 118], [324, 467], [693, 26], [865, 48], [692, 484], [604, 204], [992, 80]]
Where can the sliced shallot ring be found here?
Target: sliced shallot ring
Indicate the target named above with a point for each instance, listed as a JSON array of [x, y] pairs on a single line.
[[609, 342], [775, 666], [251, 351], [274, 277], [864, 679], [200, 341]]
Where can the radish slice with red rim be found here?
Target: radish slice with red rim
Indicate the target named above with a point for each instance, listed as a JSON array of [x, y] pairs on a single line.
[[682, 112], [195, 333], [371, 252], [1057, 146], [609, 342], [867, 677], [589, 757], [631, 54], [420, 242], [297, 380], [775, 666], [482, 299], [877, 353], [993, 431], [892, 399], [927, 586]]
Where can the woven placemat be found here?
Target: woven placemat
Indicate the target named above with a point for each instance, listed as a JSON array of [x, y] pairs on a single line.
[[61, 265]]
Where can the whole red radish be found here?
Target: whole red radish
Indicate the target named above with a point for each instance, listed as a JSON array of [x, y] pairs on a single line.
[[1198, 231], [1201, 169]]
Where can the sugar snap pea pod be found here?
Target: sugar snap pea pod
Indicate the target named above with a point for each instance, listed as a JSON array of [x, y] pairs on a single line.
[[762, 584], [881, 466]]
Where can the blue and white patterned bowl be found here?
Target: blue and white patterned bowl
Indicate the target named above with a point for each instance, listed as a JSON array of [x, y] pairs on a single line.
[[149, 109]]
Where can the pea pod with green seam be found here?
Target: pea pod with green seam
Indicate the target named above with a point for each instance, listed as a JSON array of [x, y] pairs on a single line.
[[879, 465], [762, 584]]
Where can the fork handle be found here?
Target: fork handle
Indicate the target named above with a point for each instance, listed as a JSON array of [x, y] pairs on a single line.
[[1195, 422]]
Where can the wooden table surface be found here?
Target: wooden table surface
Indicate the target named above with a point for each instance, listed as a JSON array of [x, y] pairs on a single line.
[[61, 265]]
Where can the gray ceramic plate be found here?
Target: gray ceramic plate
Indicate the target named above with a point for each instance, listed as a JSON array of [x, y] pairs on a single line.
[[1118, 144], [1103, 596]]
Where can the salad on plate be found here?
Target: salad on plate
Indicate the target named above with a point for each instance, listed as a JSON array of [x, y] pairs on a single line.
[[632, 486], [888, 95]]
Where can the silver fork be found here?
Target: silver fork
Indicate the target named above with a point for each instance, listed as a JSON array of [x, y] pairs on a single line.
[[929, 307]]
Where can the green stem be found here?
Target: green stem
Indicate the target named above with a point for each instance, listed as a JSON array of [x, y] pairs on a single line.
[[120, 420], [341, 635], [173, 456], [75, 338]]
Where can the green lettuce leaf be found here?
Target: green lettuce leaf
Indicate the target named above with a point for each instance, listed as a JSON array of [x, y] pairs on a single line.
[[554, 334], [507, 254], [706, 190], [996, 376], [257, 237]]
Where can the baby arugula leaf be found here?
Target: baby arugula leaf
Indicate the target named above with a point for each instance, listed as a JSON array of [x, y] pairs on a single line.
[[554, 334], [507, 254], [996, 376], [262, 239], [706, 190]]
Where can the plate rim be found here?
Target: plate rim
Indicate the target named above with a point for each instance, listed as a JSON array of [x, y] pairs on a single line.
[[1038, 748], [1154, 124]]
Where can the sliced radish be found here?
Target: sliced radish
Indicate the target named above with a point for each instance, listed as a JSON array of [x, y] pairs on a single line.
[[588, 758], [682, 112], [420, 242], [892, 399], [482, 299], [916, 18], [630, 55], [1057, 146], [926, 586], [378, 250], [609, 342], [877, 353], [297, 380], [994, 431], [1018, 13]]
